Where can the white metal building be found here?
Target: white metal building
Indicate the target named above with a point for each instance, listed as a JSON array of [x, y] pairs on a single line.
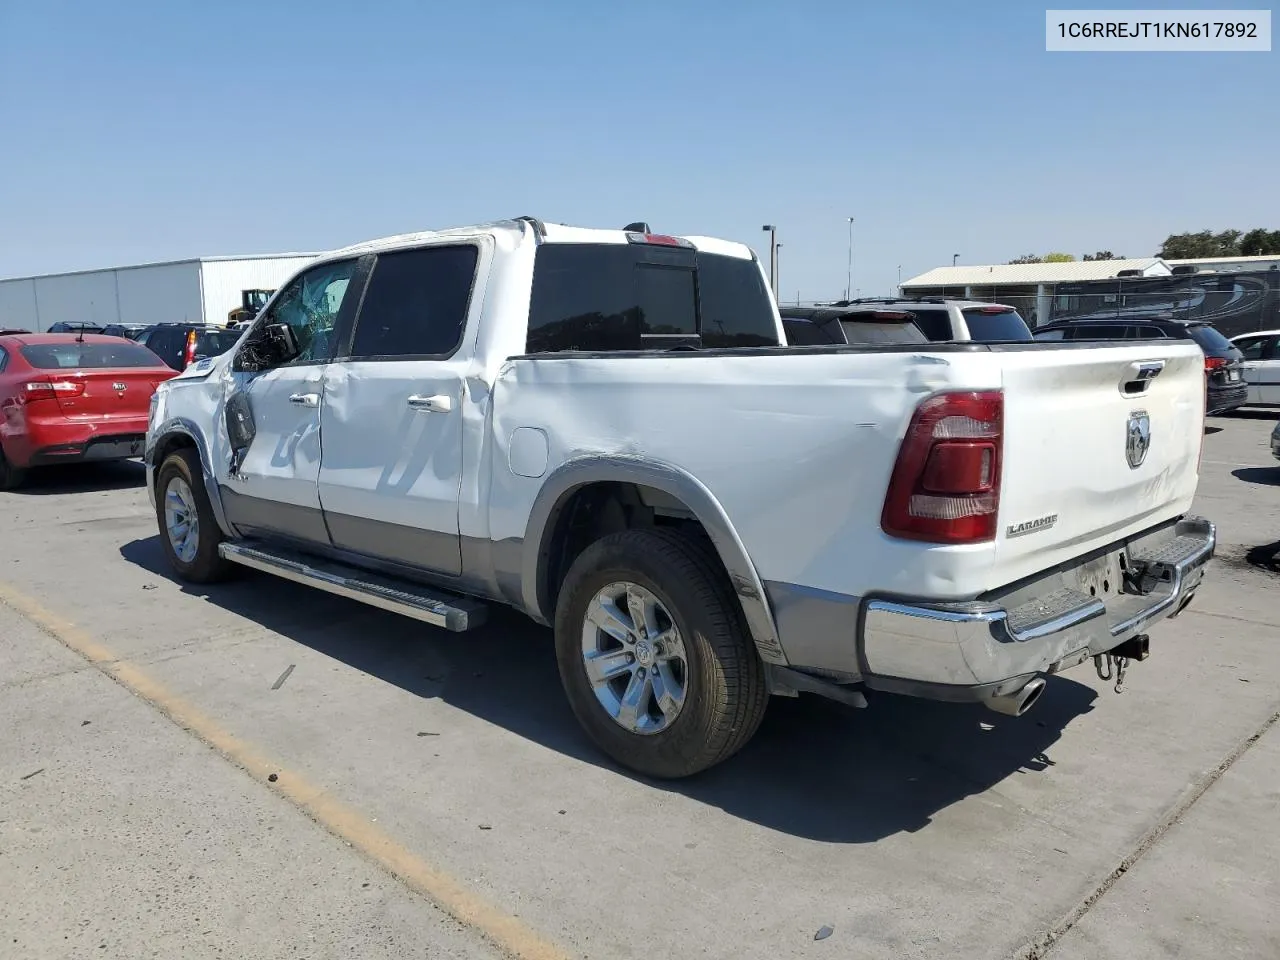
[[203, 290]]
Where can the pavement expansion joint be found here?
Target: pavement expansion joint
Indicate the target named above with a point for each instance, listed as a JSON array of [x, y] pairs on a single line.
[[1043, 945]]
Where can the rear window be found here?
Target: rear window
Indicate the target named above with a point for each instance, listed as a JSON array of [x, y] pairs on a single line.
[[993, 327], [211, 343], [88, 356], [606, 297], [1210, 340], [862, 331]]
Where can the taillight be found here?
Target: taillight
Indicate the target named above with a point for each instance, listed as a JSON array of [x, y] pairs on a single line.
[[945, 486], [1214, 363], [51, 389], [189, 355]]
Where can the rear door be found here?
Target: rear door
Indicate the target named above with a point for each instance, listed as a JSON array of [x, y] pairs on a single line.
[[1092, 451], [394, 408]]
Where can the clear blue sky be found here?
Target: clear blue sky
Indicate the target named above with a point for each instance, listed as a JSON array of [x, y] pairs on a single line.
[[156, 130]]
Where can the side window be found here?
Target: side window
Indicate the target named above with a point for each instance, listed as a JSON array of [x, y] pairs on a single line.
[[803, 333], [583, 299], [4, 359], [1253, 349], [934, 323], [416, 303], [310, 305], [607, 297], [734, 303], [1099, 331], [1146, 333], [1272, 350], [1058, 334]]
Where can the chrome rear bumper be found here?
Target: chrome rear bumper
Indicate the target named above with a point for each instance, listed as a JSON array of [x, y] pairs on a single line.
[[978, 649]]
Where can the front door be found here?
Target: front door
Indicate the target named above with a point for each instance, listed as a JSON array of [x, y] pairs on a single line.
[[267, 452], [393, 413]]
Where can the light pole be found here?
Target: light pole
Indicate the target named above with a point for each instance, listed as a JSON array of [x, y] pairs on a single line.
[[954, 258], [899, 278], [777, 263], [772, 230], [848, 280]]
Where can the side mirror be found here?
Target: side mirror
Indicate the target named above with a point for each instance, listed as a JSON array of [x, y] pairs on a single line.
[[281, 342]]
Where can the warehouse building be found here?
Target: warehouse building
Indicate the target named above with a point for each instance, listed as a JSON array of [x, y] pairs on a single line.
[[1236, 294], [203, 290]]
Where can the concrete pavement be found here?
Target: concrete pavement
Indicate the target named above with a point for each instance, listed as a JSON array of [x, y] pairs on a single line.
[[912, 829]]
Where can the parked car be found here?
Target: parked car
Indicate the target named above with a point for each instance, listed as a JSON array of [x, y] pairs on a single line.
[[1225, 387], [823, 326], [63, 326], [942, 320], [182, 344], [552, 418], [67, 399], [1260, 353], [130, 331]]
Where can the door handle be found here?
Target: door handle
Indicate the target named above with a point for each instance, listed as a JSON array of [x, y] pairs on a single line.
[[305, 399], [437, 404]]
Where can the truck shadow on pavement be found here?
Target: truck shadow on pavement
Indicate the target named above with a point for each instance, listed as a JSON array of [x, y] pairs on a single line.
[[1267, 476], [816, 769]]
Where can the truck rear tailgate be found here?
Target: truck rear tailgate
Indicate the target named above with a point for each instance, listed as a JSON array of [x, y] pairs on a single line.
[[1100, 442]]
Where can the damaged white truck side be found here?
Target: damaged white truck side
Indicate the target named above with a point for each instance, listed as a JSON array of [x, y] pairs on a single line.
[[606, 430]]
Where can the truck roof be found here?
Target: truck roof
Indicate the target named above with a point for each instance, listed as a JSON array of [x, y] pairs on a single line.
[[547, 233]]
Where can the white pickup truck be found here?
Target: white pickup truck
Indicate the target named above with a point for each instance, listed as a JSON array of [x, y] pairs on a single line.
[[606, 430]]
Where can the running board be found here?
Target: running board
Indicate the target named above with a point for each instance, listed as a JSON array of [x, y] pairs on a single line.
[[399, 596]]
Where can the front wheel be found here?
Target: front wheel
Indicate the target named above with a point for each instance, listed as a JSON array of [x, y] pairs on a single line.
[[188, 529], [654, 655]]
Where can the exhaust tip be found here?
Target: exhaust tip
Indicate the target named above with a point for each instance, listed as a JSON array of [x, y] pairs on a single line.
[[1016, 704]]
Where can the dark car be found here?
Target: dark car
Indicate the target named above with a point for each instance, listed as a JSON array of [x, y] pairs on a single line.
[[130, 331], [182, 344], [1223, 363], [944, 320], [823, 326], [74, 326]]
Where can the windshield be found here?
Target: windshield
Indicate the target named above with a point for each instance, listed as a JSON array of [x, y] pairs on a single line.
[[994, 327], [88, 356], [1210, 340]]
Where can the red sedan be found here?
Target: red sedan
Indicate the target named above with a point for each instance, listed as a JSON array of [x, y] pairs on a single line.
[[67, 398]]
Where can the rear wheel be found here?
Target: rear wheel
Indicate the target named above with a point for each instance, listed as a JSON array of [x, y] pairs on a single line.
[[188, 529], [10, 476], [654, 655]]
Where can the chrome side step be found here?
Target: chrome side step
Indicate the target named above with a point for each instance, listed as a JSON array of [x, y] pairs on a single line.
[[399, 596]]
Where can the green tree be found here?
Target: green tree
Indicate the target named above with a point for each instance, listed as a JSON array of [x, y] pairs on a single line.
[[1027, 258], [1102, 255], [1260, 243], [1059, 258], [1198, 246]]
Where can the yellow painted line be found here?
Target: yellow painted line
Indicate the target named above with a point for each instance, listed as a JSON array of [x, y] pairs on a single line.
[[504, 931]]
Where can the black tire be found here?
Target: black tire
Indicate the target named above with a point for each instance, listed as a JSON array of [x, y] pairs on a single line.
[[10, 476], [206, 566], [726, 691]]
